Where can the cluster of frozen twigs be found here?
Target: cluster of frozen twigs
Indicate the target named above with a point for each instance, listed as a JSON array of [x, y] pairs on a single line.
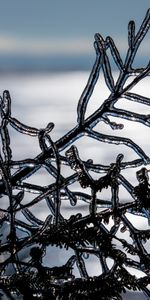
[[89, 234]]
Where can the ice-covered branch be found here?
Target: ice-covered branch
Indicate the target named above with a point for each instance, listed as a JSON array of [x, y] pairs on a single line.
[[83, 101], [118, 141], [98, 231]]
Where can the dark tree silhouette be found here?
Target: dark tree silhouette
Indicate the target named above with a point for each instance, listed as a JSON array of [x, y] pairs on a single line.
[[84, 235]]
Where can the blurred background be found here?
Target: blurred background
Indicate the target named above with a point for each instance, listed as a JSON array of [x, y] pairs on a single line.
[[58, 35], [46, 54]]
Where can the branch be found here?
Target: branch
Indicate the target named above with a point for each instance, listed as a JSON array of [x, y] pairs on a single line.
[[118, 141], [83, 101]]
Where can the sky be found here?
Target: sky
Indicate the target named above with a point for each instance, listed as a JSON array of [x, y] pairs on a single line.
[[37, 29]]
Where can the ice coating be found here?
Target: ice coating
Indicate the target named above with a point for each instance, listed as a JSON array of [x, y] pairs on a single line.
[[100, 229]]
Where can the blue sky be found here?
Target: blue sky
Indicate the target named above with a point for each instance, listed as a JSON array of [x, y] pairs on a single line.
[[64, 27]]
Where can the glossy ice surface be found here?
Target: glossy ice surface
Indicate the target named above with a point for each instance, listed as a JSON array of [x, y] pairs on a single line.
[[52, 104], [77, 215]]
